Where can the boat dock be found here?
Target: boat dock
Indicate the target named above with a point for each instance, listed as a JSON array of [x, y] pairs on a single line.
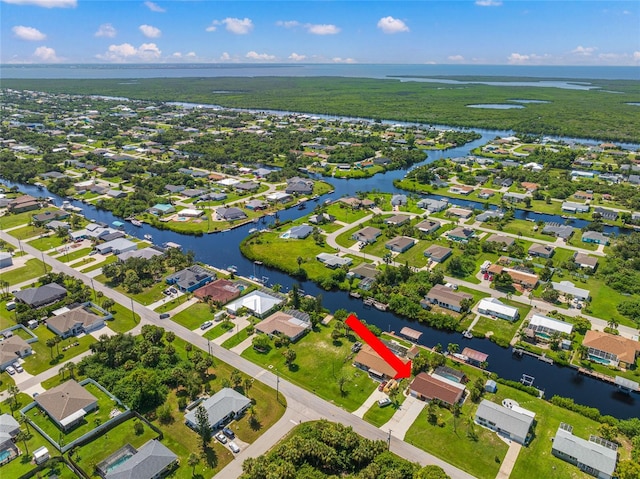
[[520, 352], [595, 374]]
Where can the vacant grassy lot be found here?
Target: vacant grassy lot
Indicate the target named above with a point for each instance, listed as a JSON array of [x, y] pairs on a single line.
[[74, 255], [45, 357], [33, 268], [193, 316], [319, 363], [48, 242]]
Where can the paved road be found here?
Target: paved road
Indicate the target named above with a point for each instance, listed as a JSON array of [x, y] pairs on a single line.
[[301, 404]]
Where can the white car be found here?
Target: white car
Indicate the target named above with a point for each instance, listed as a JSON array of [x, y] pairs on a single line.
[[10, 370], [384, 402], [234, 447], [17, 367], [221, 437]]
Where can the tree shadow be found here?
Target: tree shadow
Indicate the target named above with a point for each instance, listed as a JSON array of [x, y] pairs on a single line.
[[293, 367], [255, 424], [210, 456]]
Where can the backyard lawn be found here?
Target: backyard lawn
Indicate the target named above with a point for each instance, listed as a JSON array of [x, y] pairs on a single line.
[[44, 357], [319, 363]]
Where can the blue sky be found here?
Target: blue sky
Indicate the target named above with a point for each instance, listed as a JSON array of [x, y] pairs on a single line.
[[415, 32]]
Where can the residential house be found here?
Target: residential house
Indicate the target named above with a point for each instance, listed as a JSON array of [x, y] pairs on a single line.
[[530, 187], [438, 253], [400, 244], [118, 194], [445, 298], [116, 246], [571, 207], [611, 349], [489, 214], [282, 323], [55, 224], [321, 218], [9, 429], [12, 349], [256, 205], [595, 237], [371, 362], [76, 321], [41, 296], [22, 204], [144, 253], [505, 241], [461, 189], [299, 186], [399, 200], [460, 234], [368, 234], [152, 461], [6, 259], [278, 197], [585, 261], [262, 172], [442, 390], [194, 173], [558, 230], [258, 302], [541, 250], [513, 423], [596, 456], [48, 216], [67, 404], [583, 195], [161, 209], [230, 214], [298, 232], [495, 307], [428, 226], [568, 288], [220, 291], [397, 220], [606, 214], [514, 197], [245, 186], [365, 270], [459, 212], [174, 189], [191, 278], [333, 261], [544, 327], [486, 194], [222, 407], [432, 205]]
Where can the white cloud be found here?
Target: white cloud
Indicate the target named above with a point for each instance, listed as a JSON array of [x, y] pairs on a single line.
[[191, 54], [259, 56], [177, 55], [28, 33], [322, 29], [106, 30], [46, 54], [456, 58], [636, 56], [238, 26], [488, 3], [288, 23], [584, 51], [342, 60], [518, 58], [149, 31], [392, 25], [211, 28], [297, 58], [45, 3], [225, 57], [154, 7], [127, 52]]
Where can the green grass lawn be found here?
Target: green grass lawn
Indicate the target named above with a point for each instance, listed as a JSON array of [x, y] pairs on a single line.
[[28, 231], [193, 316], [33, 268], [319, 362], [109, 259], [45, 357], [11, 221], [219, 329], [48, 242], [123, 320], [379, 416], [97, 416], [236, 339], [345, 214], [74, 255], [148, 296]]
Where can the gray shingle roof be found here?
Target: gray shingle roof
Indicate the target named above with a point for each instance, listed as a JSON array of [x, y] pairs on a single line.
[[588, 453], [151, 459], [506, 419], [220, 405], [43, 295]]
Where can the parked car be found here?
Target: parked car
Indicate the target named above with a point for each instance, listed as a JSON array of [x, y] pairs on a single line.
[[356, 347], [165, 315], [234, 447], [382, 385], [229, 433], [10, 370], [221, 437], [384, 402], [17, 367], [206, 324], [173, 290]]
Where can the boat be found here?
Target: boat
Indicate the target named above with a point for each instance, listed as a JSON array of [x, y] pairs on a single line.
[[148, 237], [368, 302], [380, 306], [232, 269], [136, 223], [467, 334], [301, 206], [253, 230], [257, 262], [315, 198], [355, 294], [40, 186]]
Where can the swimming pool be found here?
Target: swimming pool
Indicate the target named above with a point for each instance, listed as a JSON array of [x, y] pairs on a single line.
[[4, 455], [118, 462], [181, 218], [284, 235]]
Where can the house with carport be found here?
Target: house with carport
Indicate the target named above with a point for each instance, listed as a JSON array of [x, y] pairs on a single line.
[[224, 406]]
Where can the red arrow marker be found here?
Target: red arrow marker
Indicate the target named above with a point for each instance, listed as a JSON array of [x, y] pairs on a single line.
[[403, 370]]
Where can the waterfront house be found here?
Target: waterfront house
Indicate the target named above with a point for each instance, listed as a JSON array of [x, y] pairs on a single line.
[[278, 197], [371, 362], [459, 212], [429, 388], [438, 253], [606, 214], [514, 197], [230, 214], [22, 203], [461, 189], [486, 193], [48, 216], [400, 244], [41, 296], [543, 327], [445, 298], [220, 291], [495, 307], [256, 205], [558, 230], [298, 232], [433, 205], [489, 214], [116, 246], [299, 186], [67, 404], [399, 200], [161, 209], [596, 456], [368, 234], [222, 407], [333, 261], [594, 237], [12, 349], [144, 253], [258, 302], [571, 207], [611, 349], [365, 270], [514, 423]]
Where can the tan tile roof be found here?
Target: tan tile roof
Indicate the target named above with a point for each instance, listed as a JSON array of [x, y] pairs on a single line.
[[625, 349], [66, 321], [369, 358], [64, 400], [284, 323], [10, 347]]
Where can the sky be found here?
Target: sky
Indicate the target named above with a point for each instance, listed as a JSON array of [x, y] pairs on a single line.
[[489, 32]]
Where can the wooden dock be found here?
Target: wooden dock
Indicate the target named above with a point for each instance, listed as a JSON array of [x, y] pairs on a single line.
[[595, 374], [520, 352]]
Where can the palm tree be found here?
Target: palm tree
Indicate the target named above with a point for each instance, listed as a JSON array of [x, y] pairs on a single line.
[[453, 348], [24, 437], [50, 344], [612, 323], [193, 461], [23, 420], [13, 392]]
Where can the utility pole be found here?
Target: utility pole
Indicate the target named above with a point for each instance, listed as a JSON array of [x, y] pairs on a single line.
[[389, 440], [133, 314], [277, 386]]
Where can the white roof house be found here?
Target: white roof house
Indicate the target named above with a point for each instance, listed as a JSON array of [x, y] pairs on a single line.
[[495, 307], [117, 246], [228, 182], [595, 456], [258, 302], [545, 324], [567, 287], [513, 423], [190, 212], [221, 407]]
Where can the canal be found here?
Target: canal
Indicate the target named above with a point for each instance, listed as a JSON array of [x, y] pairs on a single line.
[[221, 250]]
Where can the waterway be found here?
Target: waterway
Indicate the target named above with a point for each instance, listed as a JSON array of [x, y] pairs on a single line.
[[221, 250]]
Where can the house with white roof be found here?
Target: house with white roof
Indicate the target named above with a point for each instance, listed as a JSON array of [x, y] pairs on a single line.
[[513, 423], [545, 326], [258, 302], [567, 287], [495, 307]]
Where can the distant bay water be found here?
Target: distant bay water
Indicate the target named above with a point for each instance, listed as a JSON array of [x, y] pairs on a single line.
[[132, 71]]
